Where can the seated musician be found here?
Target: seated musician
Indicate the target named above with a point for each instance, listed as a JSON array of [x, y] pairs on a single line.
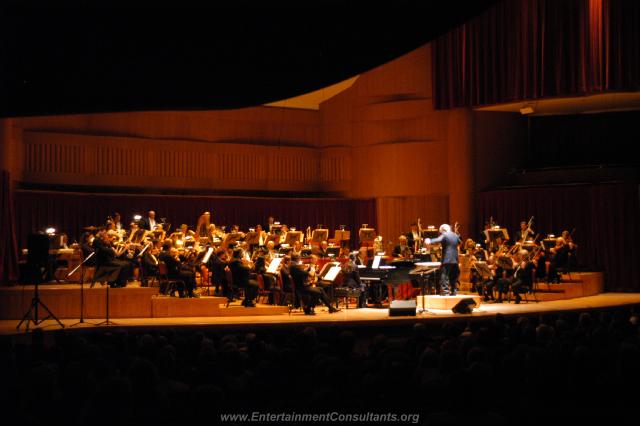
[[402, 249], [573, 247], [300, 276], [351, 279], [501, 279], [345, 252], [322, 250], [297, 248], [150, 262], [260, 265], [108, 268], [241, 273], [362, 258], [523, 275], [559, 259], [217, 264], [176, 270]]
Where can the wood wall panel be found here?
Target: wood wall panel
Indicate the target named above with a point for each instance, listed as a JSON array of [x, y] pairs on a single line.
[[71, 159]]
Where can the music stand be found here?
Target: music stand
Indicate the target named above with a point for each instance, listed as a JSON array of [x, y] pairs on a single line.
[[424, 269], [319, 235], [252, 238], [81, 266], [367, 235], [340, 235], [293, 236]]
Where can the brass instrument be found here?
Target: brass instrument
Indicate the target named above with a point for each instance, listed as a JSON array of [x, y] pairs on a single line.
[[417, 244]]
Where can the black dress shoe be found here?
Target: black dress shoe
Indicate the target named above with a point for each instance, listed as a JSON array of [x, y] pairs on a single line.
[[309, 311], [333, 310]]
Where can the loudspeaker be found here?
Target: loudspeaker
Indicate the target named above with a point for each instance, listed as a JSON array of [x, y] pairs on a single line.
[[38, 245], [402, 308], [464, 306]]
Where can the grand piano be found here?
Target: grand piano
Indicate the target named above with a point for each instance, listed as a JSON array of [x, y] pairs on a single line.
[[381, 273]]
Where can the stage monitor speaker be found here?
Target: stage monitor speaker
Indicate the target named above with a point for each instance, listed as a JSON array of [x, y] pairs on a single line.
[[38, 245], [464, 306], [402, 308]]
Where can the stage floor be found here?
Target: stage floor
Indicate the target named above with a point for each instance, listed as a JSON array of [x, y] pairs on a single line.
[[368, 316]]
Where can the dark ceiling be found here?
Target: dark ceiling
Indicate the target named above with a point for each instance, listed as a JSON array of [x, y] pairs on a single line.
[[98, 59]]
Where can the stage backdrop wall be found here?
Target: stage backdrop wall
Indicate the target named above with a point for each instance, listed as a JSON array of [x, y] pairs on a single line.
[[605, 218], [70, 212]]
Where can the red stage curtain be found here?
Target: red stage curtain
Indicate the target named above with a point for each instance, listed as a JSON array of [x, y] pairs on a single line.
[[8, 246], [528, 49], [605, 218], [70, 212]]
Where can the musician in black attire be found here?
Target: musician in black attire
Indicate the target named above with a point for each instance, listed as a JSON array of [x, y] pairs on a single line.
[[179, 272], [301, 280], [523, 275], [241, 274], [150, 263], [559, 259], [108, 268], [351, 279], [217, 264], [520, 233], [413, 235], [402, 249], [260, 267]]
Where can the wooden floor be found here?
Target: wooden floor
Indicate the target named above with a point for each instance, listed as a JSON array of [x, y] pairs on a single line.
[[370, 316]]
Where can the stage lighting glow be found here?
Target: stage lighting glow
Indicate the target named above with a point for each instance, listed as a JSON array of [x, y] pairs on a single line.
[[50, 231], [137, 217]]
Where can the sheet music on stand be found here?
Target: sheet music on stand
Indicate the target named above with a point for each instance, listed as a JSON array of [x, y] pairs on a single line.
[[332, 274], [482, 268], [252, 238], [341, 235], [376, 262], [273, 266]]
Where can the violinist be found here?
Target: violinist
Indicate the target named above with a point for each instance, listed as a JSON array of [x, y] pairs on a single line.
[[176, 270], [241, 272], [150, 262], [217, 264], [559, 258], [108, 268], [261, 264], [402, 250]]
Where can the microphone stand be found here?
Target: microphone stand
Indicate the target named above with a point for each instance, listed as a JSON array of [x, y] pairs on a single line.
[[81, 321]]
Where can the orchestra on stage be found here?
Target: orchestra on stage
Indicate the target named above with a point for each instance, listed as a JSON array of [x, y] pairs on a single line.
[[282, 265]]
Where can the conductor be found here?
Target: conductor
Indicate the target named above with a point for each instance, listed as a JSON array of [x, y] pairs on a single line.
[[450, 267]]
